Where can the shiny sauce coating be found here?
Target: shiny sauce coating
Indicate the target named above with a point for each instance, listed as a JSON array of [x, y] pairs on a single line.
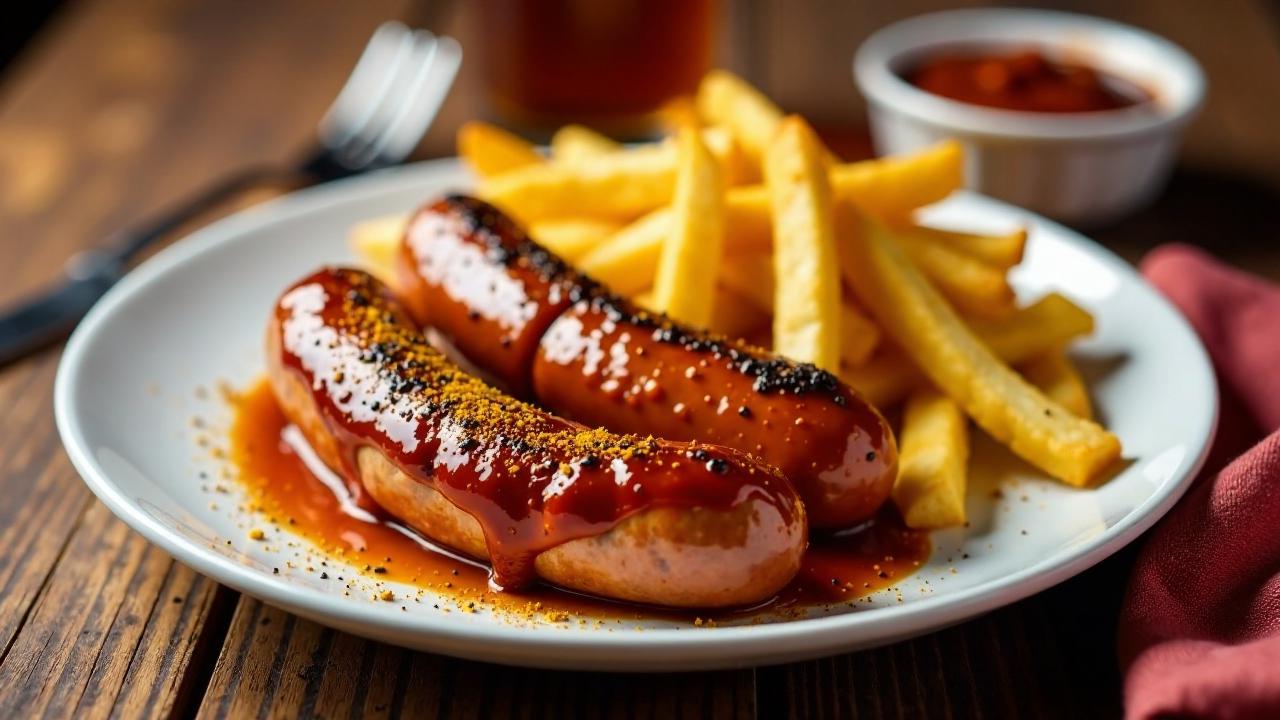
[[309, 502], [582, 353], [482, 284], [532, 480], [653, 377]]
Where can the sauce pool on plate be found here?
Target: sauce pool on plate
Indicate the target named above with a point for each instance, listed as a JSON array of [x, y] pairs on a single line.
[[1025, 81], [302, 497]]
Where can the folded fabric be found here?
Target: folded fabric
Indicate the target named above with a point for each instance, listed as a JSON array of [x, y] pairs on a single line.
[[1199, 632]]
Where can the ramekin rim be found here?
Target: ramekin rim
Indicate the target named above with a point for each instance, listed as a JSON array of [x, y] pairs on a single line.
[[880, 85]]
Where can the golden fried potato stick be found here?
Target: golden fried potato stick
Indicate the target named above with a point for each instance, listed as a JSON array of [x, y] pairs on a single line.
[[1011, 410], [1052, 321], [1056, 376], [375, 242], [574, 142], [625, 184], [973, 287], [619, 185], [892, 187], [859, 335], [999, 251], [1048, 323], [889, 188], [806, 305], [727, 100], [571, 238], [886, 378], [685, 281], [750, 274], [490, 150], [933, 461], [628, 260]]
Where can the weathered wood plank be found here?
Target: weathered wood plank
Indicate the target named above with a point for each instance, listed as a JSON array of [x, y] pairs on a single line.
[[121, 107], [274, 664], [118, 109], [1052, 655]]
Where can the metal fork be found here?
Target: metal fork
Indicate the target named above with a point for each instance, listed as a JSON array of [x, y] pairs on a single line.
[[377, 119]]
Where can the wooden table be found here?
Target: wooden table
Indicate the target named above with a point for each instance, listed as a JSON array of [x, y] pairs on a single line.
[[121, 106]]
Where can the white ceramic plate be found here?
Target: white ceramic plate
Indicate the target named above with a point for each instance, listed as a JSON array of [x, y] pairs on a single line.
[[144, 361]]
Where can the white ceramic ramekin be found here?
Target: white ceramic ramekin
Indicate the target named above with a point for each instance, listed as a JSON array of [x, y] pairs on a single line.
[[1082, 168]]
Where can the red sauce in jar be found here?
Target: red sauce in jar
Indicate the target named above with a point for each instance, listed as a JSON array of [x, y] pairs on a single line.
[[1026, 81], [300, 496]]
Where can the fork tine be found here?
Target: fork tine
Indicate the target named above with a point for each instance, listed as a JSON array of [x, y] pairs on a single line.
[[359, 150], [441, 58], [389, 47]]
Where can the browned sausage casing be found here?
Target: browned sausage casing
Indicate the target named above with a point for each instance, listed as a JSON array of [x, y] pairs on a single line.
[[622, 516], [584, 353]]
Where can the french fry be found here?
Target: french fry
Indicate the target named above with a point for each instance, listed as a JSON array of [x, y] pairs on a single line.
[[684, 285], [891, 188], [748, 221], [375, 242], [571, 143], [727, 100], [738, 168], [490, 150], [627, 261], [1056, 376], [1050, 322], [571, 238], [999, 251], [806, 306], [973, 287], [617, 185], [969, 284], [859, 335], [750, 274], [1072, 449], [933, 461], [749, 216], [886, 378]]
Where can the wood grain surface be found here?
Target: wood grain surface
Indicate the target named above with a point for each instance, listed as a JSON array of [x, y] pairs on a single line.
[[122, 106]]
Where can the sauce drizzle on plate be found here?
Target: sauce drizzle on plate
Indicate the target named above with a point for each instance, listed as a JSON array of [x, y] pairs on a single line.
[[289, 485]]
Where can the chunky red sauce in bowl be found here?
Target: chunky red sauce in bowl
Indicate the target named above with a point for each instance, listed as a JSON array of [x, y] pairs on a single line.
[[1024, 80], [1071, 116]]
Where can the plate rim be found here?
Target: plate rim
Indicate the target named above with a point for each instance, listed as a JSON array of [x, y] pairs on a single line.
[[706, 648]]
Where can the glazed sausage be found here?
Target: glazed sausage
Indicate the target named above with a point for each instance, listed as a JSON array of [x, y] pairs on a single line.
[[557, 337], [621, 516]]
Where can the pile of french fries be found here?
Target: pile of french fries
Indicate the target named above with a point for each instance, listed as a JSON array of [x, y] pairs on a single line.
[[743, 222]]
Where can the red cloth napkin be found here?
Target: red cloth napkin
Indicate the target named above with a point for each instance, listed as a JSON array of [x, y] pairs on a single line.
[[1199, 632]]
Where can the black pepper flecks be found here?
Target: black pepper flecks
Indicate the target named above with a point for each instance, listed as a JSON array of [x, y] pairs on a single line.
[[506, 243]]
